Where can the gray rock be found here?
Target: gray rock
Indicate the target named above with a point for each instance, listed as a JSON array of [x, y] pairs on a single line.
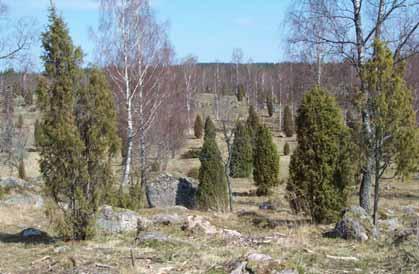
[[31, 232], [198, 224], [11, 182], [286, 271], [33, 200], [410, 211], [355, 224], [266, 206], [152, 236], [118, 220], [61, 249], [389, 225], [168, 191], [168, 219], [240, 268], [258, 257]]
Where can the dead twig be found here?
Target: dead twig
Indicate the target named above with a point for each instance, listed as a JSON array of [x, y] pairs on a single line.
[[103, 266], [350, 258], [41, 260]]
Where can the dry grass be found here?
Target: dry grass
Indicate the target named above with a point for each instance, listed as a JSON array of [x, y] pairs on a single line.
[[296, 245]]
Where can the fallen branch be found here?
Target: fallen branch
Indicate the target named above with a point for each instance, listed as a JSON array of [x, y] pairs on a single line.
[[103, 266], [350, 258], [41, 260]]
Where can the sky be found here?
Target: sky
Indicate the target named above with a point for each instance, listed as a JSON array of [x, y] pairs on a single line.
[[208, 29]]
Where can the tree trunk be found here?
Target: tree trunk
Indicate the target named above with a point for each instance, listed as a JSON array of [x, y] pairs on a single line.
[[188, 109], [376, 192], [128, 157], [143, 167], [227, 172], [367, 169]]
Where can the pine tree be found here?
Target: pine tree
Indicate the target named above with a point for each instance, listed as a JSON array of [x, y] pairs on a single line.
[[320, 168], [62, 164], [212, 190], [210, 131], [241, 155], [288, 122], [269, 105], [198, 127], [287, 149], [265, 162]]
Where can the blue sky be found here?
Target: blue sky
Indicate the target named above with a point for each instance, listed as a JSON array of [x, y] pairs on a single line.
[[208, 29]]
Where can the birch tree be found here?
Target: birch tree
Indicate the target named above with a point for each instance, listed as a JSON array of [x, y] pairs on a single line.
[[134, 48], [189, 75]]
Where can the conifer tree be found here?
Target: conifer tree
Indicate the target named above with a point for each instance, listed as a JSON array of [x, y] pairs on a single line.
[[265, 162], [96, 121], [210, 131], [320, 168], [241, 156], [288, 122], [70, 132], [252, 123], [393, 135], [212, 190], [198, 127], [269, 105]]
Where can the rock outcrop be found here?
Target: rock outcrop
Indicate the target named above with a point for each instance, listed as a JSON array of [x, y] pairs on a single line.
[[168, 191], [24, 199], [11, 182], [355, 224], [117, 220]]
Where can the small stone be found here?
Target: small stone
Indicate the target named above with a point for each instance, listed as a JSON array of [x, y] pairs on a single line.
[[61, 249], [199, 224], [258, 257], [228, 233], [266, 206], [240, 269]]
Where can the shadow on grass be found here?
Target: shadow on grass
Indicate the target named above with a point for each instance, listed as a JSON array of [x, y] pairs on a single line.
[[27, 236]]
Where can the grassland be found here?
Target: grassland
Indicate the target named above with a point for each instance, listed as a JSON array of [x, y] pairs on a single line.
[[292, 241]]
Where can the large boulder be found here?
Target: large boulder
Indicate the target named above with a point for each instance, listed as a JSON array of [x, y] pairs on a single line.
[[11, 182], [168, 191], [23, 199], [117, 220], [355, 224]]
